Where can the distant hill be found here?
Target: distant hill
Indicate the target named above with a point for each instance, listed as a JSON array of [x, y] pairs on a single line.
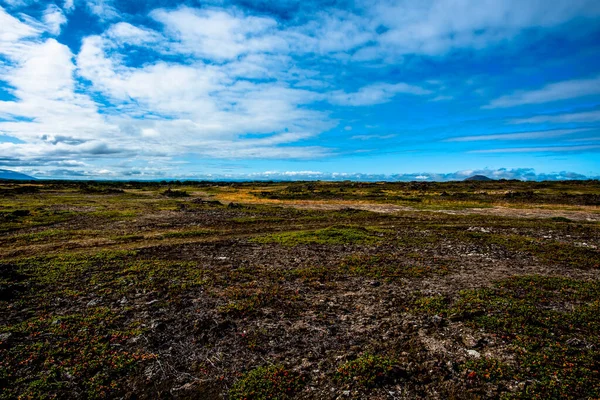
[[478, 178], [12, 175]]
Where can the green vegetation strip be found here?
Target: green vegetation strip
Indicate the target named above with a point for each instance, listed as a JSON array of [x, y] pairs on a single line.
[[336, 235]]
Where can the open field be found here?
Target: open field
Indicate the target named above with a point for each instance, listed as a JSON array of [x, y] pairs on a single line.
[[303, 290]]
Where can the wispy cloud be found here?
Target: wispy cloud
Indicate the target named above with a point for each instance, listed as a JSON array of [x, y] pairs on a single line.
[[373, 137], [103, 9], [437, 27], [552, 92], [548, 134], [546, 149], [376, 94], [442, 98], [587, 116]]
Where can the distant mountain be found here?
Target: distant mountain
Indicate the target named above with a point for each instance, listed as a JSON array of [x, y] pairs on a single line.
[[12, 175], [478, 178]]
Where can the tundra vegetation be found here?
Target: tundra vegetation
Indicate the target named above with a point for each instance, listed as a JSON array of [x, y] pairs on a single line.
[[309, 290]]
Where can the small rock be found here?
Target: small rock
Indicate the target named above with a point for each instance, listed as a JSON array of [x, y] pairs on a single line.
[[93, 302], [473, 353], [469, 341], [576, 342], [187, 386], [158, 325], [437, 320], [452, 366]]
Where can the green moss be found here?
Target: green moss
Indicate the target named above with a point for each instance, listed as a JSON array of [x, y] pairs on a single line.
[[175, 193], [366, 371], [270, 382], [391, 267], [128, 238], [328, 236], [245, 299], [114, 215], [188, 234], [433, 305], [553, 325], [41, 236], [488, 370], [80, 353]]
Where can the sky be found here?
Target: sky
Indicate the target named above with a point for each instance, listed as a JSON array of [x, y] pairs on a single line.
[[300, 89]]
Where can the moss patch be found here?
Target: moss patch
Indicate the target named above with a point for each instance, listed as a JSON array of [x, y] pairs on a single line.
[[262, 383], [328, 236]]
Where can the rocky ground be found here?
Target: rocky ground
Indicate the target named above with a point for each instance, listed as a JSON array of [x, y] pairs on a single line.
[[208, 291]]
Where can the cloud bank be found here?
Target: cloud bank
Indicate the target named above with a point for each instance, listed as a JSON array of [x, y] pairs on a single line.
[[150, 86]]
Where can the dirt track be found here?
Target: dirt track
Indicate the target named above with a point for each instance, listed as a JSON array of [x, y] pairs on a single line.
[[590, 214]]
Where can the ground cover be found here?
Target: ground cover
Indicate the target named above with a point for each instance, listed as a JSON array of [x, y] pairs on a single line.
[[127, 290]]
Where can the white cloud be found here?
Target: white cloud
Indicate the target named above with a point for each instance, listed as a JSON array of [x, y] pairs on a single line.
[[69, 5], [552, 92], [103, 9], [54, 19], [332, 31], [12, 32], [17, 3], [375, 94], [48, 114], [206, 100], [219, 34], [580, 117], [125, 33], [435, 27], [44, 70]]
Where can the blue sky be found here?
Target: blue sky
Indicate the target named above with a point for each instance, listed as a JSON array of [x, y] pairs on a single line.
[[300, 89]]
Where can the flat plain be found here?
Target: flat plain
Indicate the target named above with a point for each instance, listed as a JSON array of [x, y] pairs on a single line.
[[309, 290]]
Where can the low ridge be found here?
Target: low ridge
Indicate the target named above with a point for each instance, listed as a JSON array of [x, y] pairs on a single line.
[[6, 174], [478, 178]]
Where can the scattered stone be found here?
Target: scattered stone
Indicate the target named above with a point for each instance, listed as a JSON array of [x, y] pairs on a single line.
[[437, 320], [158, 326], [93, 302], [473, 353], [574, 342]]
